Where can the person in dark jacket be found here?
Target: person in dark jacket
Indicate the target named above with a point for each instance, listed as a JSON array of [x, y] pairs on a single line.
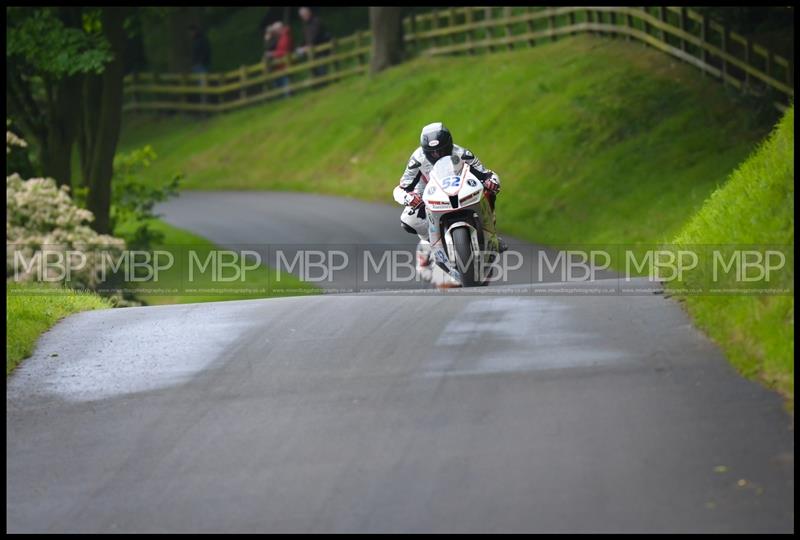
[[201, 58], [201, 50], [314, 33]]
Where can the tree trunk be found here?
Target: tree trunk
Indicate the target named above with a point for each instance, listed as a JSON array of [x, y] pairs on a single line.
[[102, 120], [55, 151], [92, 90], [387, 37]]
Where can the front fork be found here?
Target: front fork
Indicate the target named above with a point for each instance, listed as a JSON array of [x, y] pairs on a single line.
[[438, 251], [439, 246]]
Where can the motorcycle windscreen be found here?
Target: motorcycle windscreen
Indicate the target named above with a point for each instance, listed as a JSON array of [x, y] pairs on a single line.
[[447, 174]]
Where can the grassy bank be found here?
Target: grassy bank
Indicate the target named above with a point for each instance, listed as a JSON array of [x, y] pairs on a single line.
[[755, 206], [596, 140], [174, 287], [29, 314]]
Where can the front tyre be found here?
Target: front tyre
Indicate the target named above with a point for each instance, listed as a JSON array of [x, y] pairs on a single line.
[[465, 258]]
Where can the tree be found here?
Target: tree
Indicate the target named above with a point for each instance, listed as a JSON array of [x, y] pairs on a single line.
[[386, 24], [102, 120], [47, 51], [65, 70]]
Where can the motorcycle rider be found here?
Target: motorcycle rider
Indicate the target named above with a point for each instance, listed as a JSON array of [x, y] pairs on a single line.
[[435, 142]]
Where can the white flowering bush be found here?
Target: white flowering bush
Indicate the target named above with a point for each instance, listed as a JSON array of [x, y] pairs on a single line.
[[41, 218], [13, 140]]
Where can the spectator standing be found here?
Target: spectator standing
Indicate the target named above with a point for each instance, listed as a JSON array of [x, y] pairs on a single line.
[[201, 50], [270, 42], [201, 58], [283, 47], [314, 33]]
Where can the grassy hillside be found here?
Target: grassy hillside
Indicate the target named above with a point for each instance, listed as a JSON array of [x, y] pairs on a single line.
[[28, 315], [596, 140], [755, 206]]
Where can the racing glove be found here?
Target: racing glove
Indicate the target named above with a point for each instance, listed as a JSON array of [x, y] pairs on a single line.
[[492, 185], [413, 199]]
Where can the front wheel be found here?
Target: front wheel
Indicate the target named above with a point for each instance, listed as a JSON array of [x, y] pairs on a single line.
[[465, 258]]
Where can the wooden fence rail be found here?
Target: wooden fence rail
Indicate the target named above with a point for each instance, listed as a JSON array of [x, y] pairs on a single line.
[[678, 31]]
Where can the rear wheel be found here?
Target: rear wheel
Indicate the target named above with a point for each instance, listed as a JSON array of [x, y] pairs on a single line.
[[465, 258]]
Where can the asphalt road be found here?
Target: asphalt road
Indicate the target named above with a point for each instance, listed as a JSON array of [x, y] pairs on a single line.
[[530, 412]]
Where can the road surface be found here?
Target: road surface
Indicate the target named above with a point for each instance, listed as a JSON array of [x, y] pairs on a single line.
[[388, 412]]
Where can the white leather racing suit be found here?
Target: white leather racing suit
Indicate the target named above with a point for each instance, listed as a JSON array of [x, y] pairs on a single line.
[[415, 178]]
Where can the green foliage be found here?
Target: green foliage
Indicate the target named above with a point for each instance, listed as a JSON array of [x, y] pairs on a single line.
[[133, 197], [596, 141], [40, 39], [32, 308], [755, 206]]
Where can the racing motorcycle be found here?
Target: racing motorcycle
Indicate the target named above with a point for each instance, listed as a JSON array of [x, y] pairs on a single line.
[[461, 227]]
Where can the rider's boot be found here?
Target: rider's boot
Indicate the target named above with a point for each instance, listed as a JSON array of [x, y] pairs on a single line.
[[424, 260], [502, 244]]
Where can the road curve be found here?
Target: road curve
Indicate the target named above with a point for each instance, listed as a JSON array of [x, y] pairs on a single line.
[[392, 413], [295, 221]]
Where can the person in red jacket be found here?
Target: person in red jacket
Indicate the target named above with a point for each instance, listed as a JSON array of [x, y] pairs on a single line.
[[283, 47]]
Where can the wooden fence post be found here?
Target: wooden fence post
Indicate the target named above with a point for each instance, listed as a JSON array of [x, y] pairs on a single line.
[[531, 29], [747, 49], [435, 26], [135, 80], [769, 63], [724, 46], [156, 80], [185, 83], [612, 19], [551, 25], [487, 16], [243, 80], [509, 32], [572, 21], [451, 22], [662, 16], [646, 24], [264, 73], [684, 20], [628, 24], [469, 20], [413, 43], [359, 45], [704, 40], [335, 64]]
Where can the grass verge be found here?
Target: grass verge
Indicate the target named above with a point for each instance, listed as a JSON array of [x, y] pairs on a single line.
[[29, 314], [173, 286], [755, 206]]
